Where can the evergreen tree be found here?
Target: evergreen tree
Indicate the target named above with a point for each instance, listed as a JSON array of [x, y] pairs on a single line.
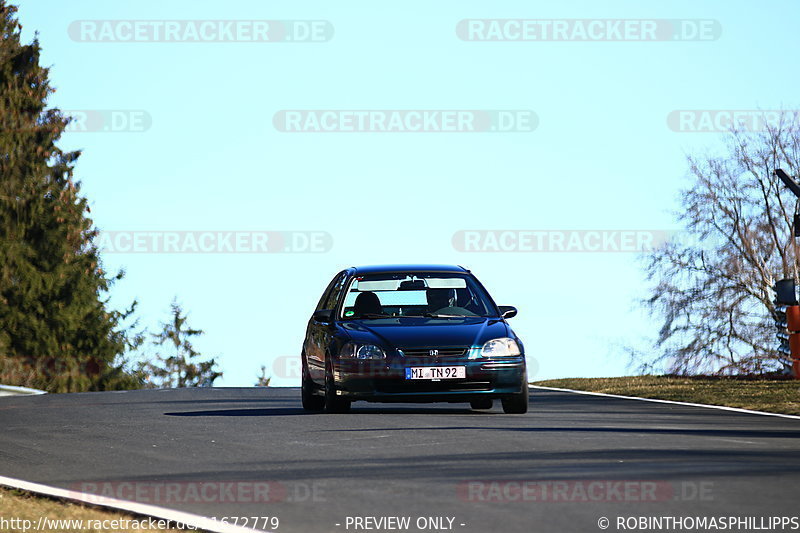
[[179, 364], [56, 332]]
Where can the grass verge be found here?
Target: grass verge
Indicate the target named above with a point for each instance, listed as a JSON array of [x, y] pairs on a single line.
[[773, 396], [21, 511]]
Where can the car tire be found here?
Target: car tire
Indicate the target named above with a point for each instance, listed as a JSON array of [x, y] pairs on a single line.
[[311, 402], [332, 402], [517, 404], [481, 403]]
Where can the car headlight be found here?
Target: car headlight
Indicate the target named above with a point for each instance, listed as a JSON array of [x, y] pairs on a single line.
[[504, 347], [361, 351]]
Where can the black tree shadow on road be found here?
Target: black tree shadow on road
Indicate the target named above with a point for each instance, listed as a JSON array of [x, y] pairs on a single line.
[[294, 411], [601, 464], [285, 411], [689, 432]]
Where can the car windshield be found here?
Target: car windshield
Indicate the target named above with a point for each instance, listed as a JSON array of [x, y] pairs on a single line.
[[421, 294]]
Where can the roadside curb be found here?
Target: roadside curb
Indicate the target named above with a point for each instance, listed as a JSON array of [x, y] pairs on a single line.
[[655, 400], [11, 390]]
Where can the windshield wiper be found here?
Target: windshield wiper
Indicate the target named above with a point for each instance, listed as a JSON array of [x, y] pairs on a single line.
[[435, 315], [373, 315]]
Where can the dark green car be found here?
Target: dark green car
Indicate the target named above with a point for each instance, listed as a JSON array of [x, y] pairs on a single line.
[[411, 333]]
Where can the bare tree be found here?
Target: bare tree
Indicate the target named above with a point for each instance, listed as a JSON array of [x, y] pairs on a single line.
[[262, 380], [713, 289]]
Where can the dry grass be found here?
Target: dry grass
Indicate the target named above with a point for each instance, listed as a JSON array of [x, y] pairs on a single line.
[[774, 396], [21, 505]]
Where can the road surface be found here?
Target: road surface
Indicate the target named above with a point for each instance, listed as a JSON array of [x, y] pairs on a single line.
[[570, 462]]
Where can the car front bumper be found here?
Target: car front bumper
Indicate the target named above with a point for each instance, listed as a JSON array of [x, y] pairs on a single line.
[[385, 381]]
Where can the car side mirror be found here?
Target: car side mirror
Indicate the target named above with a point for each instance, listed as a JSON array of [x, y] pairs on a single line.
[[508, 311], [323, 315]]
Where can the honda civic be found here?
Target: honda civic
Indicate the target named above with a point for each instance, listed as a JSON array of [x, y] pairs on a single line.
[[411, 333]]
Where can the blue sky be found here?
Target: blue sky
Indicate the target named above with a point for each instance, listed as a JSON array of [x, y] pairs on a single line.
[[601, 158]]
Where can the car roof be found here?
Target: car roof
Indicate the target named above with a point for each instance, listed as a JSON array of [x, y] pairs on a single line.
[[381, 269]]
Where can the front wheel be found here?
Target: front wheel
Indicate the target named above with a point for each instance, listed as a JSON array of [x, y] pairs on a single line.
[[517, 404], [311, 401], [333, 403]]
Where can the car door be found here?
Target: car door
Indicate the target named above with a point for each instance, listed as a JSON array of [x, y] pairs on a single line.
[[319, 333]]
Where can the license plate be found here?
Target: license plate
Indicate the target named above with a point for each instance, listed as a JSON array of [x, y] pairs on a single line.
[[436, 373]]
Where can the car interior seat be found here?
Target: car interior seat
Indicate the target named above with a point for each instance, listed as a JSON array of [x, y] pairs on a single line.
[[367, 303]]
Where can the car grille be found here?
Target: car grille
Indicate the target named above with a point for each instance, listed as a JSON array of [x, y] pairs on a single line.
[[449, 351], [390, 386]]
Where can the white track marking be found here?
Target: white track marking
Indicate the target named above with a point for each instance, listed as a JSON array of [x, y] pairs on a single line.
[[654, 400], [198, 521]]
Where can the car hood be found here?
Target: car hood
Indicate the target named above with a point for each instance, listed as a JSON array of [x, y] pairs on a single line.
[[411, 332]]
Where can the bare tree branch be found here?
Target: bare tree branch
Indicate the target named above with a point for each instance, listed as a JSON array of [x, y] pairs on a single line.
[[713, 291]]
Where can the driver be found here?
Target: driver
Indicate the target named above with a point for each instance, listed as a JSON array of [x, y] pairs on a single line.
[[439, 299]]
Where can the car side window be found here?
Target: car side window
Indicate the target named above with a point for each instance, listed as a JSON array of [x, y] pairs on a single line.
[[336, 291], [324, 299]]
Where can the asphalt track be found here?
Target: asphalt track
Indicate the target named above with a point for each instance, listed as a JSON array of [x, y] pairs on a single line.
[[572, 460]]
